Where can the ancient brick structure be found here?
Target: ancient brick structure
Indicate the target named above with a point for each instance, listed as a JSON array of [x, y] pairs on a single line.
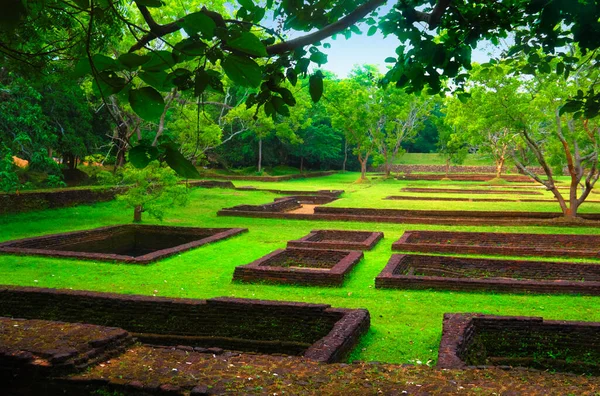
[[317, 267], [506, 244], [468, 191], [465, 177], [511, 341], [42, 348], [129, 243], [315, 331], [336, 239], [271, 178], [406, 271]]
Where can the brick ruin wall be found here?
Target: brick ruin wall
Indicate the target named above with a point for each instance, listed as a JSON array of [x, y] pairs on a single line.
[[317, 331], [476, 340], [472, 274]]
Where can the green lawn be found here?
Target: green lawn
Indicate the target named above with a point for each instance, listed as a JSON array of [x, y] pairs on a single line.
[[406, 325]]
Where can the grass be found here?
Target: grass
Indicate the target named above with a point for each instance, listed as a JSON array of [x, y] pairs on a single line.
[[436, 159], [406, 325]]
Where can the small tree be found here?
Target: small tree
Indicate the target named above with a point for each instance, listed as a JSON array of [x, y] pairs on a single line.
[[152, 189], [451, 146]]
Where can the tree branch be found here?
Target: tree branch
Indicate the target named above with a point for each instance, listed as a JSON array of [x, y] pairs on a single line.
[[327, 31], [433, 18], [157, 30]]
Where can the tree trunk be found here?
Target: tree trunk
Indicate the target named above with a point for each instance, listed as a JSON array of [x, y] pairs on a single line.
[[447, 167], [499, 166], [301, 164], [137, 214], [363, 168], [387, 169], [259, 155]]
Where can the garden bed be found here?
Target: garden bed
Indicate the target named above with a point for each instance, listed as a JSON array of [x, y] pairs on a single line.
[[137, 244], [317, 267], [506, 244], [475, 274], [42, 348], [508, 341], [336, 239], [315, 331], [468, 191]]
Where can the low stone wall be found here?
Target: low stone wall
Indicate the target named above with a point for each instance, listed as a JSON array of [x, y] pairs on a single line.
[[279, 205], [474, 274], [476, 340], [466, 177], [468, 191], [336, 239], [270, 178], [319, 267], [31, 200], [459, 169], [327, 193], [26, 201], [315, 331], [506, 244]]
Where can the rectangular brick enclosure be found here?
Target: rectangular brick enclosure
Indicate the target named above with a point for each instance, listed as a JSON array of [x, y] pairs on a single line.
[[317, 267], [336, 239], [407, 271], [510, 341], [315, 331], [137, 244], [507, 244]]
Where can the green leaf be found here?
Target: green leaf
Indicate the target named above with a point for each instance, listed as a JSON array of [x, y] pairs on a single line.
[[463, 97], [326, 45], [132, 61], [147, 103], [198, 22], [188, 48], [140, 156], [570, 107], [149, 3], [315, 86], [160, 60], [101, 63], [180, 164], [560, 68], [155, 79], [287, 96], [390, 60], [243, 71], [249, 44], [319, 58], [372, 30], [247, 4], [201, 82], [85, 4], [291, 76], [280, 106]]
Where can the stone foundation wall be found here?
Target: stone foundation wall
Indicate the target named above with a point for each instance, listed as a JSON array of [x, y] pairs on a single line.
[[476, 340], [472, 274], [316, 331], [506, 244]]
